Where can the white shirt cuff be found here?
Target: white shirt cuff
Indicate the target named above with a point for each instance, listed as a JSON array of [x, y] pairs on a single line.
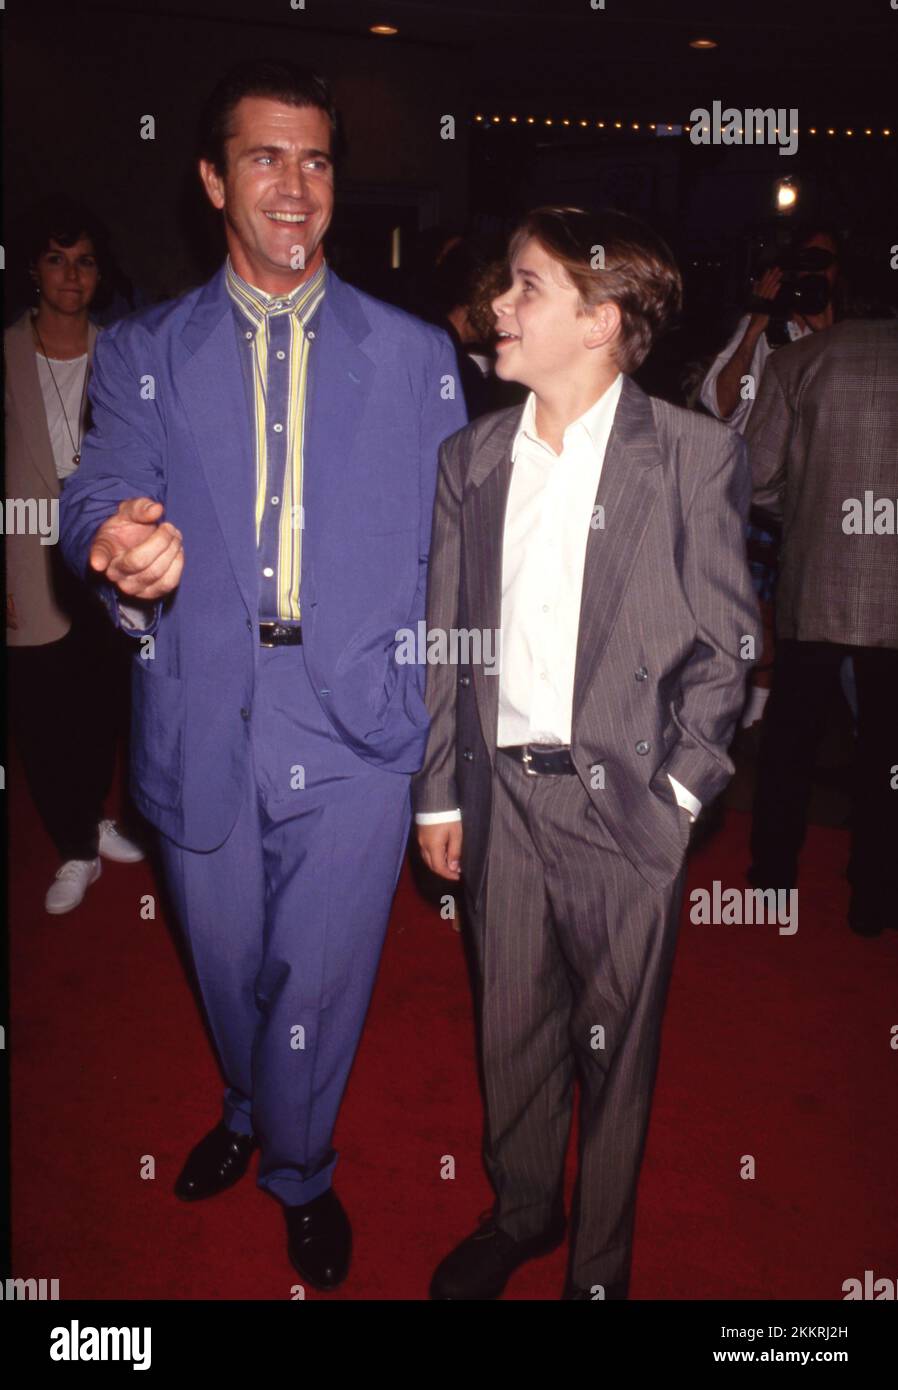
[[685, 798], [437, 817]]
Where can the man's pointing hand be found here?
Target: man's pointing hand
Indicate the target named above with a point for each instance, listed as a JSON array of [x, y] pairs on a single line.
[[141, 556]]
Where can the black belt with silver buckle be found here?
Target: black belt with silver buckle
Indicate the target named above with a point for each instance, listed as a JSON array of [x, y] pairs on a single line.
[[280, 634], [540, 759]]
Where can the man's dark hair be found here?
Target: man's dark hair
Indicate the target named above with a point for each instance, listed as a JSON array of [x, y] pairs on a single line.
[[64, 220], [261, 77]]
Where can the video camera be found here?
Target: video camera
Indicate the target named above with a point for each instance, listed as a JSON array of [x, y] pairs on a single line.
[[804, 288]]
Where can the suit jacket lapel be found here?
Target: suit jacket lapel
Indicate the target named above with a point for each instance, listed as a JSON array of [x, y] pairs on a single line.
[[211, 385], [627, 493], [342, 376]]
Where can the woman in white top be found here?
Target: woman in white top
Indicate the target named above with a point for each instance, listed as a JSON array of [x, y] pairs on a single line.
[[62, 649]]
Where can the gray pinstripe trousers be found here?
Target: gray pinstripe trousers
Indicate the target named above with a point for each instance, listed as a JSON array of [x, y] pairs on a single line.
[[574, 954]]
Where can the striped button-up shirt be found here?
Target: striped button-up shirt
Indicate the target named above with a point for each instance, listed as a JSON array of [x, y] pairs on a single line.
[[276, 332]]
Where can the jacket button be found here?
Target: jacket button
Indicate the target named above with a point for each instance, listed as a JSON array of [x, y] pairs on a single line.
[[642, 674], [249, 624], [468, 755], [244, 714], [464, 680], [642, 746]]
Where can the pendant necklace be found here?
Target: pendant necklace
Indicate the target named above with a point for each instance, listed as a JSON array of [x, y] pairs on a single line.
[[76, 456]]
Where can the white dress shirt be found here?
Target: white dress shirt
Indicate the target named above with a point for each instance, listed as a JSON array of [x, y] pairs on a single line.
[[548, 519]]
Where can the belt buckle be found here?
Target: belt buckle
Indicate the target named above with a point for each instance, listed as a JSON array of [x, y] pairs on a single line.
[[527, 759], [263, 627]]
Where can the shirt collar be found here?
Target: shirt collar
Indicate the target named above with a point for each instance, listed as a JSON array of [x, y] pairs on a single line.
[[257, 306], [592, 421]]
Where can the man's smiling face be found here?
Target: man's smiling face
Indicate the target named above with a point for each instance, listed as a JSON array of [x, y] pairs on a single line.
[[277, 191]]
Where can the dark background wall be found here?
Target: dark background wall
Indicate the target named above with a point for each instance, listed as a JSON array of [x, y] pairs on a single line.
[[78, 79]]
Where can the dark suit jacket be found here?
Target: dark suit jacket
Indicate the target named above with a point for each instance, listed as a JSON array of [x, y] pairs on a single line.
[[824, 429], [667, 604]]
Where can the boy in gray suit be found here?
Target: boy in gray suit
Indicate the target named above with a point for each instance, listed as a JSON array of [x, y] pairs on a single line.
[[599, 533]]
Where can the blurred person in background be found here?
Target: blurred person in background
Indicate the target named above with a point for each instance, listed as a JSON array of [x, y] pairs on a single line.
[[455, 275], [824, 460], [67, 685], [797, 295]]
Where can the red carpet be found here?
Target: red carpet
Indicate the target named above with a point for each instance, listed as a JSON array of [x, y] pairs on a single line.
[[774, 1046]]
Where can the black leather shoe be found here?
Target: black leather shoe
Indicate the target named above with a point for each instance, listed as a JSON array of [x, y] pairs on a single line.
[[217, 1163], [482, 1265], [319, 1240]]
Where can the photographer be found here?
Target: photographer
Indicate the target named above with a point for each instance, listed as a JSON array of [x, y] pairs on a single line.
[[806, 275], [815, 254]]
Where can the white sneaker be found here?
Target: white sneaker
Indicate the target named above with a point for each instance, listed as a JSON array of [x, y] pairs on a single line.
[[71, 883], [115, 845]]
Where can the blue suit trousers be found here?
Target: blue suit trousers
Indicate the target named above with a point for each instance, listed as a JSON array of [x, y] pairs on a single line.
[[286, 920]]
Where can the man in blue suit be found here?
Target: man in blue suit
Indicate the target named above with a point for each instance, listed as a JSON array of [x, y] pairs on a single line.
[[286, 426]]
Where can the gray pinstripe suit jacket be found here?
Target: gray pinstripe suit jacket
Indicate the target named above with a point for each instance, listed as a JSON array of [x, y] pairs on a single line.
[[666, 604], [825, 429]]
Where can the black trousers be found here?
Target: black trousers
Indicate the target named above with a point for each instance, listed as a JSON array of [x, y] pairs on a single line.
[[805, 680], [68, 704]]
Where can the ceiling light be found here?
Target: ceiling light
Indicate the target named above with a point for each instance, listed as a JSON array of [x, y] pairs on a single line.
[[785, 195]]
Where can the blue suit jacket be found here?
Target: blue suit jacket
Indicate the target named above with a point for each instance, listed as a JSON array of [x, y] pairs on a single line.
[[171, 422]]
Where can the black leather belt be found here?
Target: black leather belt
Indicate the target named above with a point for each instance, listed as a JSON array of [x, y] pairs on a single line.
[[280, 634], [538, 758]]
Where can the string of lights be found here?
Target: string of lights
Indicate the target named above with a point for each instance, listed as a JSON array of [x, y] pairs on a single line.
[[658, 127]]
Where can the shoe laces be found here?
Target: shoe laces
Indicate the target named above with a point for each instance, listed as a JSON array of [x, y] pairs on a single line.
[[74, 868]]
